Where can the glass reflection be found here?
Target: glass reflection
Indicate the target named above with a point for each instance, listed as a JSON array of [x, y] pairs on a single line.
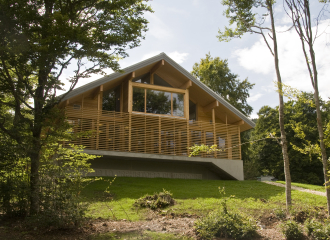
[[138, 99], [158, 102], [178, 109], [111, 100]]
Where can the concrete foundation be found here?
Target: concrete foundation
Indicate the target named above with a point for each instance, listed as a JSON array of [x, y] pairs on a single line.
[[164, 166]]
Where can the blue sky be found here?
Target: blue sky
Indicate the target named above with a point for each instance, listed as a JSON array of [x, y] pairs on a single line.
[[186, 30]]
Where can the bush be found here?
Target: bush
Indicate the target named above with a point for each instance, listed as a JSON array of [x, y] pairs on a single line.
[[225, 224], [317, 230], [291, 230], [156, 201], [280, 213], [220, 224]]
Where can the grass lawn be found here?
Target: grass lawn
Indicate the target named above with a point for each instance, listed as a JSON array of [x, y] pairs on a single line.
[[307, 186], [196, 197], [139, 236]]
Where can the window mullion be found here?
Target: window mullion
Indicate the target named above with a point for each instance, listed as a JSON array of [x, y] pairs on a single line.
[[145, 100], [171, 104]]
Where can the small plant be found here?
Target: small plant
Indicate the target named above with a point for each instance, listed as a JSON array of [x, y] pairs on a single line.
[[317, 230], [225, 224], [157, 201], [280, 213], [291, 230]]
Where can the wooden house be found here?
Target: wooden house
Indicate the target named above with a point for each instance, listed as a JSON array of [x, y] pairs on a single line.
[[144, 119]]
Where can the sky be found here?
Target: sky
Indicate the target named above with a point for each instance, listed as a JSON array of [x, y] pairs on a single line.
[[186, 31]]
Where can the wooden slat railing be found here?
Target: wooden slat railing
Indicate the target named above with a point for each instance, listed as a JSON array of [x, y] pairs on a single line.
[[142, 133]]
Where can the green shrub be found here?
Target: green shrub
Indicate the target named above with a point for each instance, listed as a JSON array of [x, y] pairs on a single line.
[[291, 230], [156, 201], [317, 230], [225, 224], [280, 213], [220, 224]]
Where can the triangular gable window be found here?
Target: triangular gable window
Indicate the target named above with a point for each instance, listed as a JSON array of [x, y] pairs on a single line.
[[160, 82], [145, 78]]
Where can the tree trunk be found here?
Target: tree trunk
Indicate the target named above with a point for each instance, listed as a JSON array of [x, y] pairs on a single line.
[[318, 109], [35, 150], [322, 146], [34, 182], [281, 113], [314, 79]]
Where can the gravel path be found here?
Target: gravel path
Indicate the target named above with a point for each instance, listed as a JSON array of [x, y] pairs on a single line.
[[297, 188]]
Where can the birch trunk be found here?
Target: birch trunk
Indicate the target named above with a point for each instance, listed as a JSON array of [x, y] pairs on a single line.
[[281, 113]]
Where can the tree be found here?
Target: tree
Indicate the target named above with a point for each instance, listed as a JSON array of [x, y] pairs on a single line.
[[305, 168], [244, 15], [40, 39], [215, 73], [299, 11]]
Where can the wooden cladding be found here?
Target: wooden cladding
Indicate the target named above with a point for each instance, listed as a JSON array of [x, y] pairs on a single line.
[[143, 133]]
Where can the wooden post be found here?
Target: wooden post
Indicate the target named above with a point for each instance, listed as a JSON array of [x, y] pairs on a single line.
[[129, 131], [230, 150], [93, 136], [107, 136], [214, 132], [179, 142], [130, 108], [130, 96], [186, 104], [152, 78], [159, 135], [145, 134], [239, 142], [188, 137], [98, 121]]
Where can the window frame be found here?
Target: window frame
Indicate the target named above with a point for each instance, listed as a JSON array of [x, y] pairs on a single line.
[[171, 90]]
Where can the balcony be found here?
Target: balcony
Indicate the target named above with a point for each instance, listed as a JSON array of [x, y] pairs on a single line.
[[152, 134]]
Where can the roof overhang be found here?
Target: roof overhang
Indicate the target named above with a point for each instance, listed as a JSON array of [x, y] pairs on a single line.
[[178, 77]]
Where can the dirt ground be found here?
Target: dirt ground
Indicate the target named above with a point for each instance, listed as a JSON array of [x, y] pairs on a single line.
[[179, 225], [268, 227]]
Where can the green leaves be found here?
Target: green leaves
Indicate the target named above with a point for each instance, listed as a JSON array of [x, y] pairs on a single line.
[[215, 73], [241, 15]]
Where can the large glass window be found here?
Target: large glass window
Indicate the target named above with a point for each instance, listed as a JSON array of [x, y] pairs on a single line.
[[192, 111], [178, 100], [145, 78], [158, 102], [138, 99], [111, 100], [160, 82]]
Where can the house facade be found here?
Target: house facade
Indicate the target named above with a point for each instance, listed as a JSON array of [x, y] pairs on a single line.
[[144, 119]]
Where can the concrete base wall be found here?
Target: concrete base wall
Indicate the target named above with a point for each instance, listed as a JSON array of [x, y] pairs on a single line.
[[164, 166]]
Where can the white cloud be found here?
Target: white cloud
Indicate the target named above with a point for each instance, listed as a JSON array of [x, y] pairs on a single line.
[[254, 97], [195, 3], [291, 59], [176, 56], [158, 29], [257, 58]]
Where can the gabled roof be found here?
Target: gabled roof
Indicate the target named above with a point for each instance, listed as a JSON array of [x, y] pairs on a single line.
[[150, 61]]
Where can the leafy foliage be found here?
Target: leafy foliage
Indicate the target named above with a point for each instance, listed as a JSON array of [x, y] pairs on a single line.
[[157, 201], [317, 230], [39, 40], [305, 168], [291, 230], [222, 223], [215, 73], [197, 149]]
